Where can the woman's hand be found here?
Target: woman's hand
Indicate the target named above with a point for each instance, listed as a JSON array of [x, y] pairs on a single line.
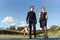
[[27, 22], [46, 17]]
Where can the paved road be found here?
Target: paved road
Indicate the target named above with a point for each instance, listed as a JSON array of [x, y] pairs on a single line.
[[29, 39]]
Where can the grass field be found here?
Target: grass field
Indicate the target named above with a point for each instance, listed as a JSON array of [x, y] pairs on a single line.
[[51, 34]]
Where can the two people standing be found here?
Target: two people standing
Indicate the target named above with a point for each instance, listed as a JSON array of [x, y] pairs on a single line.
[[32, 21]]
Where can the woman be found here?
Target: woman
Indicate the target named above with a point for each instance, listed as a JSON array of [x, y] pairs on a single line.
[[43, 21]]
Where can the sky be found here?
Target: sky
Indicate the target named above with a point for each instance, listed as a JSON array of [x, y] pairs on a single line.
[[14, 12]]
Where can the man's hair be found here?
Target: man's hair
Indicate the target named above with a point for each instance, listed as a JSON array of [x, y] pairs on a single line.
[[32, 7]]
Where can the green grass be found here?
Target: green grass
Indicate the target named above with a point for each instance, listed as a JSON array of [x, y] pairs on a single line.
[[55, 33], [51, 34]]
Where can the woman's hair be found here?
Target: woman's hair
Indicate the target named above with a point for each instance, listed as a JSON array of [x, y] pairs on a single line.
[[44, 9]]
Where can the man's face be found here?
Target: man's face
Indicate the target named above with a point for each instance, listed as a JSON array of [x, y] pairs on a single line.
[[31, 9]]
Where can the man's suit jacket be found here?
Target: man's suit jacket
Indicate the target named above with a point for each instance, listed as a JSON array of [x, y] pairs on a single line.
[[31, 17]]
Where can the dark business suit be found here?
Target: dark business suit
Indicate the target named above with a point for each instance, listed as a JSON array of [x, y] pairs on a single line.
[[31, 19]]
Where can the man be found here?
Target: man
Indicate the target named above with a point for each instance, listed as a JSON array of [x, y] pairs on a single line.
[[31, 19]]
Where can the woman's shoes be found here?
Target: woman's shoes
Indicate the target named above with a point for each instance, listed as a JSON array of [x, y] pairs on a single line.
[[45, 37]]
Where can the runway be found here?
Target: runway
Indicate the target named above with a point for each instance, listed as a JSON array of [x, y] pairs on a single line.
[[29, 39]]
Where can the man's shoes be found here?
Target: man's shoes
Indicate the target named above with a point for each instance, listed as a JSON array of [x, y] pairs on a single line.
[[30, 38], [35, 37]]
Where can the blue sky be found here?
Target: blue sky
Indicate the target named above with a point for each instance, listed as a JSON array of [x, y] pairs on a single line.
[[17, 11]]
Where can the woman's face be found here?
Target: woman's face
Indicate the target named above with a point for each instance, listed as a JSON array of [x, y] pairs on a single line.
[[42, 10]]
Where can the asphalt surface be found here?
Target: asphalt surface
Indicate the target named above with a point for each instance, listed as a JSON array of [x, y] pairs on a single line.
[[29, 39]]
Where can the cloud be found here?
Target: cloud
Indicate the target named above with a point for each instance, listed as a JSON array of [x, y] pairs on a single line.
[[23, 22], [8, 20], [23, 25], [13, 24]]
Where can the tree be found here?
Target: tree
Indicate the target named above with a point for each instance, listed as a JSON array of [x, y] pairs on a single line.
[[12, 28], [54, 27], [20, 28]]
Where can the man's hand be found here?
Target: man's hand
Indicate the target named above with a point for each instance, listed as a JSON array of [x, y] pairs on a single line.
[[35, 22]]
